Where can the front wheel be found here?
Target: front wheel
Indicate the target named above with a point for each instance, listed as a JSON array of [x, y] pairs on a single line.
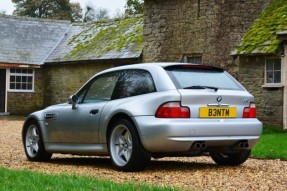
[[230, 159], [126, 150], [33, 143]]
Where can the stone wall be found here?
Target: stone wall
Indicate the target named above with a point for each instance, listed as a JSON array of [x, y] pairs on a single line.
[[269, 101], [23, 103], [207, 28]]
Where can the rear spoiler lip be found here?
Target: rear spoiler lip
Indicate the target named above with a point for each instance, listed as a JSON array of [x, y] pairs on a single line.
[[194, 66]]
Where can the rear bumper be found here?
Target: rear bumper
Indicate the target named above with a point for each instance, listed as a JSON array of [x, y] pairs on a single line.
[[178, 135]]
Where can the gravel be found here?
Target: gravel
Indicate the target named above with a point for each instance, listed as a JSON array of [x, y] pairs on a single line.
[[195, 173]]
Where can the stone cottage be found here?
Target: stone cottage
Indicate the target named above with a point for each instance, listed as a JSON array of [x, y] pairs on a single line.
[[262, 63], [24, 47], [42, 62]]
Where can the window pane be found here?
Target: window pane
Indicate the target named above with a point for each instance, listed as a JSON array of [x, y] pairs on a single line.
[[24, 86], [269, 66], [30, 79], [12, 78], [277, 77], [18, 86], [198, 77], [12, 86], [29, 87], [269, 77], [24, 79], [277, 65], [134, 82], [18, 78], [194, 60], [101, 88]]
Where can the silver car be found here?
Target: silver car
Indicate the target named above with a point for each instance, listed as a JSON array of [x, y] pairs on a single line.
[[135, 112]]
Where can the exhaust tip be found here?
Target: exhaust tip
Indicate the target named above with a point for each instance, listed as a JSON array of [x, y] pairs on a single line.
[[200, 145]]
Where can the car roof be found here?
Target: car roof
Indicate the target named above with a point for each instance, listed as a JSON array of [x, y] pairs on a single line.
[[156, 65]]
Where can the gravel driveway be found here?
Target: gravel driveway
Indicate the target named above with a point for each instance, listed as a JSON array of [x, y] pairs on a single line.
[[198, 173]]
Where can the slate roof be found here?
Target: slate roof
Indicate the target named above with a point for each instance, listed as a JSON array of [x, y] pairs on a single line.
[[114, 39], [27, 40], [39, 41], [261, 38]]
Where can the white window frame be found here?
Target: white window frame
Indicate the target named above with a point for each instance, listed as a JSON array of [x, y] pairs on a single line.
[[279, 84], [22, 75]]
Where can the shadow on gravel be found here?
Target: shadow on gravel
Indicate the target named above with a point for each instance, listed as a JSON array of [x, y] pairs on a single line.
[[100, 162], [179, 166], [154, 165]]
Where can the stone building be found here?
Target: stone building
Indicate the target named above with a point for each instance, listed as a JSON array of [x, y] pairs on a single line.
[[24, 46], [43, 62], [262, 63], [198, 31]]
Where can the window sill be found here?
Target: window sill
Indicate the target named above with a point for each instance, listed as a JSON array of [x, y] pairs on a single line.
[[21, 91], [272, 86]]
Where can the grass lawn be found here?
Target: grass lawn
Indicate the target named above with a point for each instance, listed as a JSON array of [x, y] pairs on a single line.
[[272, 144], [15, 180]]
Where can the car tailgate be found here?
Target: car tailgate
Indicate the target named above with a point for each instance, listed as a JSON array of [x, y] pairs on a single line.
[[208, 103]]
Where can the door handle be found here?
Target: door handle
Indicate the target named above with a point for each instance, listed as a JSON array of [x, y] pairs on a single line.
[[94, 111]]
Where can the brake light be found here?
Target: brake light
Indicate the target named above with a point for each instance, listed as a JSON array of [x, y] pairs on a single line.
[[250, 112], [172, 110]]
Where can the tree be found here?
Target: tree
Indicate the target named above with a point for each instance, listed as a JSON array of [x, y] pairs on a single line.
[[134, 7], [2, 12], [54, 9], [95, 14]]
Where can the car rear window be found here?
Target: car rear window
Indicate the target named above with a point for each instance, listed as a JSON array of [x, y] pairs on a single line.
[[185, 77]]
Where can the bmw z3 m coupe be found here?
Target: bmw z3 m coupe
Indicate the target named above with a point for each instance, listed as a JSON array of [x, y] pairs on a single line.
[[135, 112]]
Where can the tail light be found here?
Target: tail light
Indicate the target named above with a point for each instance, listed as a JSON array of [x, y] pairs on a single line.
[[250, 112], [172, 110]]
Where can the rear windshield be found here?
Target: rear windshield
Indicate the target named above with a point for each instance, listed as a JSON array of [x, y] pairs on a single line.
[[194, 78]]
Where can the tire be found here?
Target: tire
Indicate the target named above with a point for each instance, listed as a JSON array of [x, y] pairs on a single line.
[[125, 148], [33, 142], [230, 159]]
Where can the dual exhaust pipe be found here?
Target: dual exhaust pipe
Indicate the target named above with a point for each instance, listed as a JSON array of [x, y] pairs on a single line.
[[243, 144], [201, 145]]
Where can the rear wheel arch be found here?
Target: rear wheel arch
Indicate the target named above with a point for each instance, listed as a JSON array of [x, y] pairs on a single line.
[[125, 148], [117, 117]]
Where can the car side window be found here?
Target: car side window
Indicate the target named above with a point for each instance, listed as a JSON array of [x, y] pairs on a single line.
[[99, 89], [132, 83]]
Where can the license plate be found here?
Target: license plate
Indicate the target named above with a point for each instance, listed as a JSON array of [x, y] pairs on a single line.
[[217, 112]]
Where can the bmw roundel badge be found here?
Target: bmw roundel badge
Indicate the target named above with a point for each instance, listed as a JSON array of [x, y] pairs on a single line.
[[218, 99]]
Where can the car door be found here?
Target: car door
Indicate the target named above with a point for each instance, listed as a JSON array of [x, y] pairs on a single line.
[[81, 125]]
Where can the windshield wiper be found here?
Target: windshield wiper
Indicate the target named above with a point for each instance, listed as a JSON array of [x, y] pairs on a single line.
[[201, 87]]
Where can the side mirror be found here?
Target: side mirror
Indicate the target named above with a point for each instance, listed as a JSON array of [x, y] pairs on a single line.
[[74, 100]]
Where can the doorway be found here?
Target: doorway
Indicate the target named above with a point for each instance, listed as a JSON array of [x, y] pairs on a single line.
[[2, 89]]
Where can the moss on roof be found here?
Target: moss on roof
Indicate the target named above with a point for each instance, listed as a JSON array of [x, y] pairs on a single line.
[[261, 37], [107, 38]]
